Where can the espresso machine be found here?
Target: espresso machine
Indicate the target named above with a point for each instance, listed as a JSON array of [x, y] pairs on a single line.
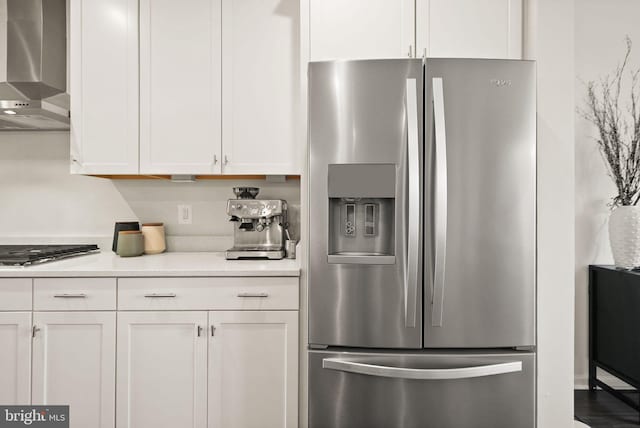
[[260, 225]]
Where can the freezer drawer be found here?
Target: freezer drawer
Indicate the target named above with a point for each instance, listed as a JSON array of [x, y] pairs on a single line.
[[421, 390]]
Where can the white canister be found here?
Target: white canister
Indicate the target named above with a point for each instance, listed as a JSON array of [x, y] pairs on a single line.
[[154, 241]]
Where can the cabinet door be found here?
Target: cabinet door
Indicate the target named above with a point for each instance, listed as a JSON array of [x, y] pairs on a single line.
[[361, 29], [74, 363], [253, 369], [262, 129], [162, 370], [15, 358], [180, 100], [104, 86], [470, 28]]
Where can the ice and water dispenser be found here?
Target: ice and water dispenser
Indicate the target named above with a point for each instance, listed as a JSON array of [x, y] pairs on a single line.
[[362, 213]]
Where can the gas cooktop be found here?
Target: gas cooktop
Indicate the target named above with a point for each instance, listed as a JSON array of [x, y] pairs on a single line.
[[25, 255]]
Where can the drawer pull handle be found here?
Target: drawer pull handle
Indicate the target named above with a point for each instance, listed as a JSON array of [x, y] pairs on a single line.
[[70, 296], [160, 295], [380, 370], [253, 295]]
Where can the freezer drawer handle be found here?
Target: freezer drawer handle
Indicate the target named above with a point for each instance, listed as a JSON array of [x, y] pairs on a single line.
[[421, 374]]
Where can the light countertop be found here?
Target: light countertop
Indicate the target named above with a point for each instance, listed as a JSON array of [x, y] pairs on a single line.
[[107, 264]]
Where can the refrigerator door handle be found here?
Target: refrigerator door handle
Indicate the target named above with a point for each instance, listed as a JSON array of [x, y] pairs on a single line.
[[413, 230], [440, 208], [351, 366]]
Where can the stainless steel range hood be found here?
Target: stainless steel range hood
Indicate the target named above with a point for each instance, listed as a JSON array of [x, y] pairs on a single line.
[[33, 65]]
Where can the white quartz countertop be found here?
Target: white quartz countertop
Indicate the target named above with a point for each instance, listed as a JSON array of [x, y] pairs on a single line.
[[107, 264]]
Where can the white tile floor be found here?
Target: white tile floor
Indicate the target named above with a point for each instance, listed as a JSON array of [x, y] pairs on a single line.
[[577, 424]]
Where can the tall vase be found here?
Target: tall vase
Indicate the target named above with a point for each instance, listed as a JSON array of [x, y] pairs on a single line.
[[624, 236]]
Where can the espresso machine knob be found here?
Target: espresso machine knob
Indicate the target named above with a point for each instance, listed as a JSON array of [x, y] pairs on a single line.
[[259, 227]]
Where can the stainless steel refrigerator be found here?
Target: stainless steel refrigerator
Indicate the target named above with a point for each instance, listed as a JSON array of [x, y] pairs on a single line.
[[422, 243]]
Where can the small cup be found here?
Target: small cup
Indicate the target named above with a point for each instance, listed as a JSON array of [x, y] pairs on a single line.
[[154, 240], [130, 243], [120, 226], [290, 248]]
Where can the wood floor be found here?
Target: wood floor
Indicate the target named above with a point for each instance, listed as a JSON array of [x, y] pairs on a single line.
[[600, 410]]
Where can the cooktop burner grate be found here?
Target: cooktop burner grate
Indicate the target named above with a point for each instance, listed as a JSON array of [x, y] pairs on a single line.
[[24, 255]]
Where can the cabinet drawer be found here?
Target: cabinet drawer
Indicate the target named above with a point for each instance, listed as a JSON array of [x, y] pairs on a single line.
[[15, 294], [255, 293], [74, 294]]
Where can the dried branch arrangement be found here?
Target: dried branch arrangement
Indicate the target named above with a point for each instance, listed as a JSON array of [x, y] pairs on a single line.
[[618, 128]]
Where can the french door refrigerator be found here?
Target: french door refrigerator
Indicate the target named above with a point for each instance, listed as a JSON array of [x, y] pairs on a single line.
[[422, 243]]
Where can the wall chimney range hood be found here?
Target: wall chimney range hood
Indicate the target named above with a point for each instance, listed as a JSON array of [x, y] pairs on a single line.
[[33, 65]]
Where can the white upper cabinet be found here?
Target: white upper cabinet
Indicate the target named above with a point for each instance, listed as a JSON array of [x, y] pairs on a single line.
[[74, 364], [470, 28], [371, 29], [104, 86], [15, 358], [186, 87], [361, 29], [180, 98], [262, 128]]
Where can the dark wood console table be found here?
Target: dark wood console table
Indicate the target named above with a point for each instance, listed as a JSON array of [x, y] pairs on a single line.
[[614, 328]]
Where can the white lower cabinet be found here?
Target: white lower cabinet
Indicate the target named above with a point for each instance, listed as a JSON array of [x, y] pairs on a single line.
[[223, 359], [249, 381], [162, 366], [253, 369], [74, 364], [15, 358]]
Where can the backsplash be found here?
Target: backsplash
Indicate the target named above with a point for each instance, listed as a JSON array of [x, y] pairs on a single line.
[[41, 202], [157, 200]]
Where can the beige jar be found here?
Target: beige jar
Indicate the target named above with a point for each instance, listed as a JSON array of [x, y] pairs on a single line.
[[154, 240]]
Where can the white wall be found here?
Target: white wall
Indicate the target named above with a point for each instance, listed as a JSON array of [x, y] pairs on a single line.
[[40, 200], [600, 30], [549, 39]]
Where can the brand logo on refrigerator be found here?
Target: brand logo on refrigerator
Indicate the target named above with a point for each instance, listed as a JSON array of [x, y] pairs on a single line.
[[501, 82]]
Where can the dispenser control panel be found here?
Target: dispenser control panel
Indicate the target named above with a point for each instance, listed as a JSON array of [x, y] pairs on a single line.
[[255, 208]]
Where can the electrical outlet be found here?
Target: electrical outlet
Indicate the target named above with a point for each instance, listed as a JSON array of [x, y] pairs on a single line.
[[185, 214]]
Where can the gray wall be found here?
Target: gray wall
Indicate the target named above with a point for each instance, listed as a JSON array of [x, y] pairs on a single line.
[[600, 30], [549, 40], [40, 200]]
